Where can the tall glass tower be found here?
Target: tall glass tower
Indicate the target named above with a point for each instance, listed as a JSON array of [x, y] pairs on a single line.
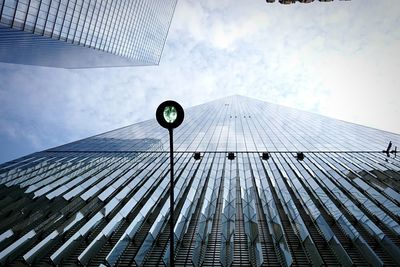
[[256, 184], [84, 33]]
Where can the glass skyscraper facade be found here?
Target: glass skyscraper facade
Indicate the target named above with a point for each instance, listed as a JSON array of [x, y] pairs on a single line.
[[84, 33], [103, 201]]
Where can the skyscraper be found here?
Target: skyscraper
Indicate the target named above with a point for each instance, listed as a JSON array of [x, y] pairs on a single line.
[[84, 33], [286, 2], [273, 186]]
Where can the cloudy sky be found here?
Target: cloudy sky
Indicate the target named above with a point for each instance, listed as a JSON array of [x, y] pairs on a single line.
[[340, 59]]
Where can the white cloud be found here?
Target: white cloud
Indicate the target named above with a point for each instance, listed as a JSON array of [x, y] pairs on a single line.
[[219, 24]]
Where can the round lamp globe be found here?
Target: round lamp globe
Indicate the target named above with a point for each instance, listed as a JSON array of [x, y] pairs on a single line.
[[170, 114]]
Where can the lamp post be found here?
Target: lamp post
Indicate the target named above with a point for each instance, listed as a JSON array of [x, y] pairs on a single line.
[[170, 115]]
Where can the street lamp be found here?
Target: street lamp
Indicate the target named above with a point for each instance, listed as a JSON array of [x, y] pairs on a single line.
[[170, 115]]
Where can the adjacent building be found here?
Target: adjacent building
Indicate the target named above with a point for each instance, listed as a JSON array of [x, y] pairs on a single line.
[[84, 33], [286, 2], [271, 186]]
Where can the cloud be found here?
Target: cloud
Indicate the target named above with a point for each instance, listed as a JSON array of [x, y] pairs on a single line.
[[218, 24]]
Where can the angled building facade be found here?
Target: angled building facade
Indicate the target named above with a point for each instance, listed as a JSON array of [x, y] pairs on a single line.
[[84, 33], [299, 189]]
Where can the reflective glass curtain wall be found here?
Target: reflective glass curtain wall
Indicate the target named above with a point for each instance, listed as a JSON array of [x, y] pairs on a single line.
[[84, 33], [104, 200]]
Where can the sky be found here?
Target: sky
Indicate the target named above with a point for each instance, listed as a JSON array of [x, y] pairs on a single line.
[[340, 59]]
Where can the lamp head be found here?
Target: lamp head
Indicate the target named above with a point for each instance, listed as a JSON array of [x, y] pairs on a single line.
[[170, 114]]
